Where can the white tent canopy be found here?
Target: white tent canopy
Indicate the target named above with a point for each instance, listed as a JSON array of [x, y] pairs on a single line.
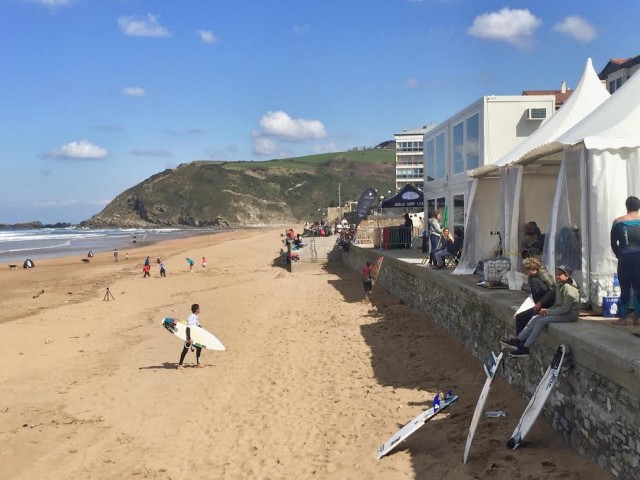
[[600, 169], [527, 179]]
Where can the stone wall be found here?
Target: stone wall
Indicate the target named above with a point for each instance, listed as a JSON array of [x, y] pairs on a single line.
[[596, 403]]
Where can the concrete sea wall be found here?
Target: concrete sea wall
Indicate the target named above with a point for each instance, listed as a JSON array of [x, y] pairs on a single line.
[[595, 404]]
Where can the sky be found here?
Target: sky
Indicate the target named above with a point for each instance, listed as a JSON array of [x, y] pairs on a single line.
[[98, 95]]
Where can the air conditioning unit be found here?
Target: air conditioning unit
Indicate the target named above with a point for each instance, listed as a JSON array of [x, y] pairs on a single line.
[[536, 113]]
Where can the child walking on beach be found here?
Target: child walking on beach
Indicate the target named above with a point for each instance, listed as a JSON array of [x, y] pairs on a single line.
[[192, 322], [367, 279]]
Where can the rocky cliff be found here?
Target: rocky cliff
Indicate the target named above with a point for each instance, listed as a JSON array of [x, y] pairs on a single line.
[[200, 194]]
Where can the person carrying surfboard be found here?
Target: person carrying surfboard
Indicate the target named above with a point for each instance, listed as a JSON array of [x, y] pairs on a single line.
[[367, 279], [193, 321], [565, 309]]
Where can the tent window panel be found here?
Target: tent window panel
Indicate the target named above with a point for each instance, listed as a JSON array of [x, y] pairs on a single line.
[[472, 141], [458, 148], [440, 156], [430, 160], [458, 211]]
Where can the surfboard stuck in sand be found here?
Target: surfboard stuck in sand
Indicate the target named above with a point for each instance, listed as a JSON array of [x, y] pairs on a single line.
[[200, 337], [538, 399], [490, 370], [440, 402]]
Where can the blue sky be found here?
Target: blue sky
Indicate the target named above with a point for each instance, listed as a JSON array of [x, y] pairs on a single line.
[[97, 95]]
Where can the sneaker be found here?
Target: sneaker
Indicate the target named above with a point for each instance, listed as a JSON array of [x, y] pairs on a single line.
[[511, 344], [521, 352]]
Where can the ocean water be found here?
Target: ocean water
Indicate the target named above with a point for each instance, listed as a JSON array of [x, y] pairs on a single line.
[[18, 245]]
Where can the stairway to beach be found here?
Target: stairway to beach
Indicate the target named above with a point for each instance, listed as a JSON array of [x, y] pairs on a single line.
[[318, 252]]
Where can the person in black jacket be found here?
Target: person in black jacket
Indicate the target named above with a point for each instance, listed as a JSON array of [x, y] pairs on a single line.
[[543, 291]]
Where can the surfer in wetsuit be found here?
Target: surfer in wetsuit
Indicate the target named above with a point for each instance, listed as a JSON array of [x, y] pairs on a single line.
[[192, 322], [625, 243]]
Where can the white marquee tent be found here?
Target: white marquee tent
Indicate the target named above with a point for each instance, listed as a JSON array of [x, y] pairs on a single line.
[[520, 187], [600, 169]]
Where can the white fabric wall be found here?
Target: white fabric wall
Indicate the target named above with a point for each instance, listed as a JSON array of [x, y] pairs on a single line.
[[483, 216], [591, 190]]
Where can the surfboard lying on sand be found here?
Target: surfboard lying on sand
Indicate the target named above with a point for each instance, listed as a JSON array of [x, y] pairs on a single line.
[[538, 400], [396, 439], [200, 337], [490, 369]]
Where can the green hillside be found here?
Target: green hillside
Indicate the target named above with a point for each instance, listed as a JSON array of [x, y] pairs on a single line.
[[205, 193]]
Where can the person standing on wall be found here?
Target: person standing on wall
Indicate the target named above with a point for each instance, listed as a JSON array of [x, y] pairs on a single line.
[[408, 230], [435, 230], [625, 243]]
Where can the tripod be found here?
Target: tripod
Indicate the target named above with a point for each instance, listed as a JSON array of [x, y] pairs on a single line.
[[108, 296]]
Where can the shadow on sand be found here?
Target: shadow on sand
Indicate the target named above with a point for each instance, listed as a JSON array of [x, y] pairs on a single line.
[[409, 351]]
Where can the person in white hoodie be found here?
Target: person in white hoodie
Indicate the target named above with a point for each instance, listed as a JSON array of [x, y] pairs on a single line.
[[193, 321]]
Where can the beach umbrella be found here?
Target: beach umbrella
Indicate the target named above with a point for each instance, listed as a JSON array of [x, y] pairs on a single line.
[[28, 264]]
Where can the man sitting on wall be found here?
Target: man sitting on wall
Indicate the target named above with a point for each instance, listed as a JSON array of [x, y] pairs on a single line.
[[565, 309]]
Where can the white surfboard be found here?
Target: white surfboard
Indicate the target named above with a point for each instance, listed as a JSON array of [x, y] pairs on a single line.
[[538, 400], [490, 369], [200, 337], [439, 404], [526, 305]]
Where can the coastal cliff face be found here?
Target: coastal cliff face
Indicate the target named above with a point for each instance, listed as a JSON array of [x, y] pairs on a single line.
[[215, 194]]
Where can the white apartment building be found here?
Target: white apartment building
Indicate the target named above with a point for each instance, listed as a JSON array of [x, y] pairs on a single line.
[[410, 157], [480, 134], [617, 71]]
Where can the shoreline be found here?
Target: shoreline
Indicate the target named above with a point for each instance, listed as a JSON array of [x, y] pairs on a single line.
[[102, 244]]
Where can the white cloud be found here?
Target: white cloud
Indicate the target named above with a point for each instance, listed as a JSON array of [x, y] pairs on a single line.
[[512, 26], [413, 83], [134, 92], [279, 124], [206, 36], [577, 27], [301, 28], [278, 127], [142, 26], [264, 146], [83, 149]]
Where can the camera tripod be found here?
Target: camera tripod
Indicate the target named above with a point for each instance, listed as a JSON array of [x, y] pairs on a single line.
[[108, 296]]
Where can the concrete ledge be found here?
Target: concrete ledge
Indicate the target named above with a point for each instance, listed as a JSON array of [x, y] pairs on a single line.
[[595, 405]]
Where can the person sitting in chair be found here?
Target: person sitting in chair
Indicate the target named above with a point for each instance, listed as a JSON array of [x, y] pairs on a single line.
[[447, 245], [533, 240]]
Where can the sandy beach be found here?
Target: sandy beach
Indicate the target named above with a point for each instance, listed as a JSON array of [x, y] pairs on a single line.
[[313, 380]]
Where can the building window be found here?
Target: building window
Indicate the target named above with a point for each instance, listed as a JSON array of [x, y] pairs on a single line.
[[458, 211], [458, 148], [429, 163], [472, 142], [408, 146], [612, 86], [440, 157], [618, 82]]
